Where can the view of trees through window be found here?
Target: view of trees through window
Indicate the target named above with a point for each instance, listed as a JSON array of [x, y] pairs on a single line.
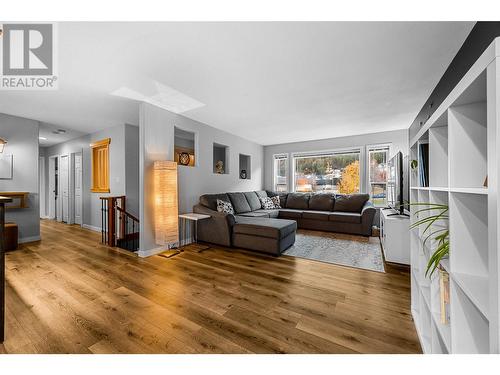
[[280, 173], [378, 175], [335, 173]]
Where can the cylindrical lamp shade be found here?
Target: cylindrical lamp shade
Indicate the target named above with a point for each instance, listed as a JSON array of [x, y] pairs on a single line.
[[166, 205]]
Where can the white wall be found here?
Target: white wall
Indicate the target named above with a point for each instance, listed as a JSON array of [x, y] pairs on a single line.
[[22, 137], [398, 140], [157, 143]]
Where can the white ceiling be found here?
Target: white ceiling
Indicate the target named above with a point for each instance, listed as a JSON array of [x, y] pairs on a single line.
[[267, 82], [50, 135]]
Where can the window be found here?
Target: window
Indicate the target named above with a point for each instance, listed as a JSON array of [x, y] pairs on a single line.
[[281, 173], [336, 172], [100, 166], [377, 175]]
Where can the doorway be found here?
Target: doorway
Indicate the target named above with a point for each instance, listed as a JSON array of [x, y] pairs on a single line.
[[64, 188], [53, 188], [78, 189]]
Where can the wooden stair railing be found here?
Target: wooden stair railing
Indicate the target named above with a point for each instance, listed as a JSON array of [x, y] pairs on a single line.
[[119, 228], [128, 237], [3, 200]]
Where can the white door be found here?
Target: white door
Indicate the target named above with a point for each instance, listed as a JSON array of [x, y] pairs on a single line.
[[78, 189], [41, 180], [64, 184], [52, 188]]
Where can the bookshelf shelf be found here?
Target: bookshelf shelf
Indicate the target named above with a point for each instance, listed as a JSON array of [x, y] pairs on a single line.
[[476, 288], [462, 152]]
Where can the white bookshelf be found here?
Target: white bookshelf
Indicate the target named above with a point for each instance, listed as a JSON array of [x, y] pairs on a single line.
[[463, 136]]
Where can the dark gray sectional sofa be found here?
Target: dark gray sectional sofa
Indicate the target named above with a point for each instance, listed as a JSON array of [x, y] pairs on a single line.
[[273, 231]]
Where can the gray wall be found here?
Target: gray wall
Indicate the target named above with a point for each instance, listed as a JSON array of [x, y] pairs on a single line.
[[22, 137], [397, 138], [123, 151], [132, 168], [157, 143]]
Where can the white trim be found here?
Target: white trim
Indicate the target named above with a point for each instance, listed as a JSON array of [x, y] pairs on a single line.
[[91, 227], [150, 252], [282, 156], [29, 239], [326, 152], [42, 186], [371, 148]]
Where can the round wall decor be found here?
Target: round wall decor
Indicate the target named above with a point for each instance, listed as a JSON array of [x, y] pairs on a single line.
[[184, 158]]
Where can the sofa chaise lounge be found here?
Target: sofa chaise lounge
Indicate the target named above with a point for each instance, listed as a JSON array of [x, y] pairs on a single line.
[[272, 231]]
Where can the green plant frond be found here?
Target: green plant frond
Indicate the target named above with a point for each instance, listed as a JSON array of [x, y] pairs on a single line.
[[433, 233], [436, 213], [430, 209]]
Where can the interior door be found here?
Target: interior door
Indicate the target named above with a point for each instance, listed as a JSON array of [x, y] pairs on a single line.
[[78, 189], [52, 188], [64, 184]]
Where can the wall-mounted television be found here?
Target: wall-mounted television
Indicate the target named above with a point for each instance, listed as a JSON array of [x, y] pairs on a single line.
[[398, 187]]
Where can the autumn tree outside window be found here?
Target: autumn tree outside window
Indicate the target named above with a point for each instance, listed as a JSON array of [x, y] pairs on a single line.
[[100, 166]]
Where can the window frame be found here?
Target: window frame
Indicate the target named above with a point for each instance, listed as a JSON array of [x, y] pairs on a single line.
[[350, 150], [374, 148], [100, 173], [285, 157]]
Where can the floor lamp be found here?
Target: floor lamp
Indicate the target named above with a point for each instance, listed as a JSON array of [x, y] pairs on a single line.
[[166, 205]]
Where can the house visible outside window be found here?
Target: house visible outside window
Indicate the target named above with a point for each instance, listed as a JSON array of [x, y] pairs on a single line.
[[281, 173], [100, 166], [335, 172], [377, 174]]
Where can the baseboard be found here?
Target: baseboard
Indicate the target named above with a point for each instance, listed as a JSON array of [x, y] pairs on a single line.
[[91, 227], [150, 252], [28, 239]]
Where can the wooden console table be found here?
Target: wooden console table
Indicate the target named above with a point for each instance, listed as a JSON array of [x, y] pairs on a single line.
[[3, 200], [22, 196]]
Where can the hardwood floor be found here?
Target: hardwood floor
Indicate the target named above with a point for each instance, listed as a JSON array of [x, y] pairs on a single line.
[[69, 294]]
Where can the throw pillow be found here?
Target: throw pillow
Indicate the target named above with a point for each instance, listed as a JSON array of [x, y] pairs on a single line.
[[266, 203], [276, 201], [225, 207]]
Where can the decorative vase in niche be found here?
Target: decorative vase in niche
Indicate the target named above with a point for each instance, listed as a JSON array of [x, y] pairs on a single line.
[[184, 158], [243, 174], [219, 167]]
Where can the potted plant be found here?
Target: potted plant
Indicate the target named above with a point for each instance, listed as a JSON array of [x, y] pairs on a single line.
[[436, 213]]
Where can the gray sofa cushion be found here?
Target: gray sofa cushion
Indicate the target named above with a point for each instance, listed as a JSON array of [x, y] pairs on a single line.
[[288, 213], [254, 214], [264, 227], [273, 214], [239, 202], [350, 202], [261, 194], [345, 217], [321, 202], [253, 200], [210, 200], [315, 215], [298, 201]]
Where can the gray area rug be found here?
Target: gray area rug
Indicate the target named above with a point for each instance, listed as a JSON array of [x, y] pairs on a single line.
[[342, 249]]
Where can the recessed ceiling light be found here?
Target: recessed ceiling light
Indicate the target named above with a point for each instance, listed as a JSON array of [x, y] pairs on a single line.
[[42, 138]]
